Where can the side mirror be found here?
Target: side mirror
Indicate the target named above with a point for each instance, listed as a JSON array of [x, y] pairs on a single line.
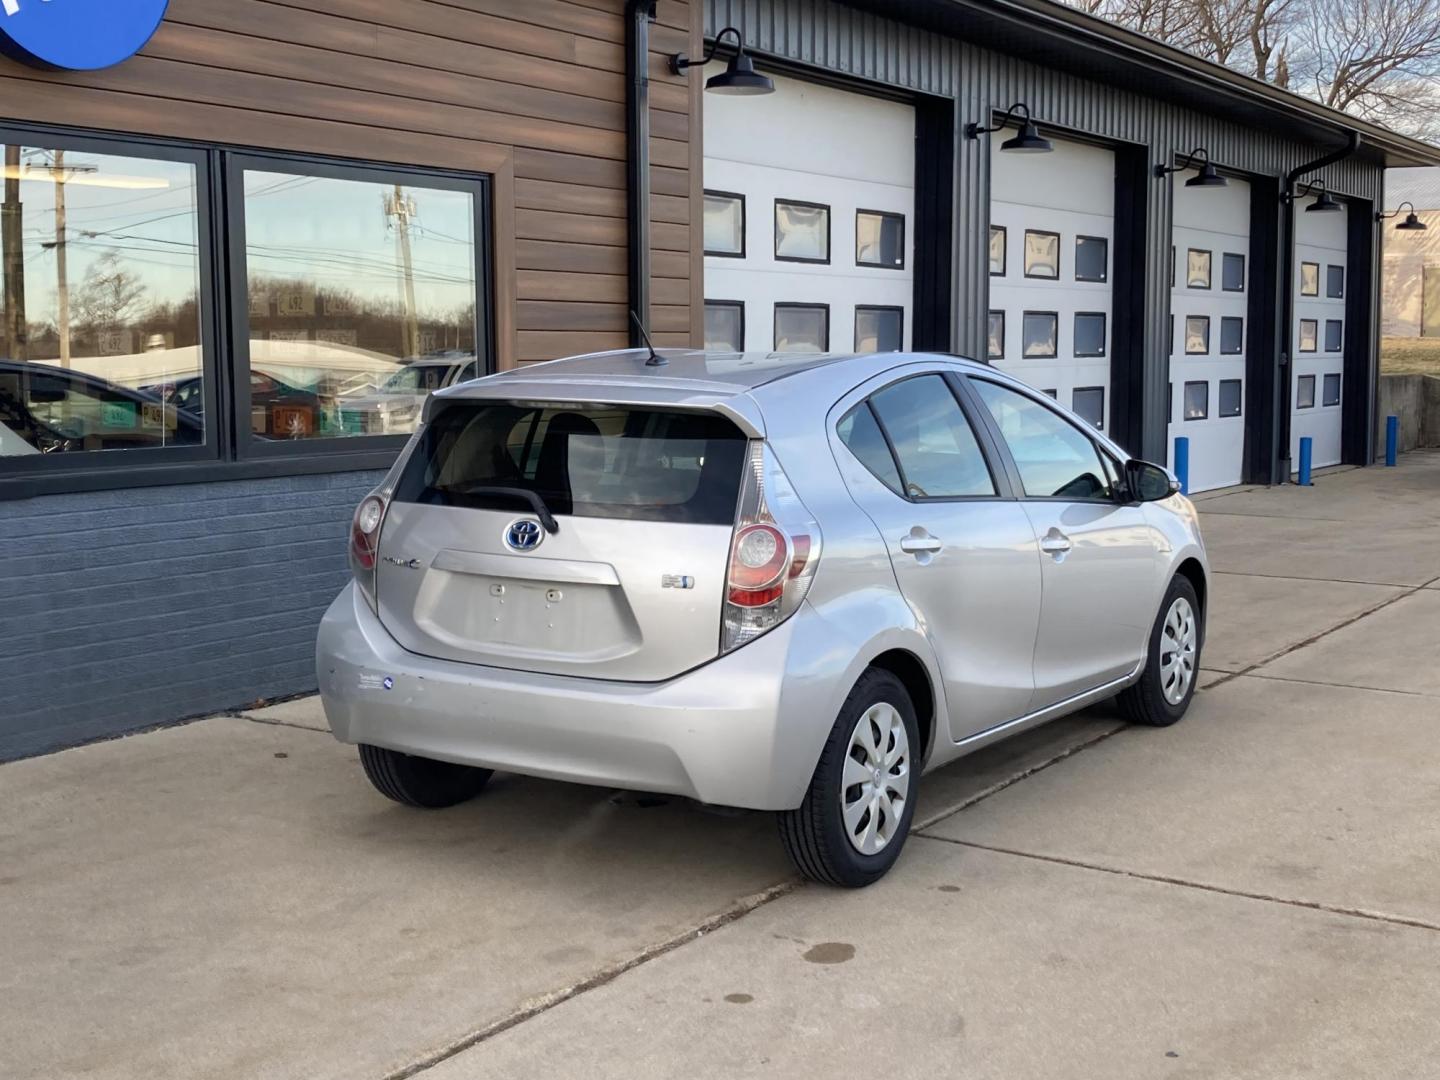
[[1149, 482]]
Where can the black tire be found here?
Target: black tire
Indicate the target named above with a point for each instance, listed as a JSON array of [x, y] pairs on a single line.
[[418, 781], [1144, 702], [814, 833]]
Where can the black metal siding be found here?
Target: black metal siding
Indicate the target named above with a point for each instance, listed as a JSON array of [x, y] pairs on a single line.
[[826, 34]]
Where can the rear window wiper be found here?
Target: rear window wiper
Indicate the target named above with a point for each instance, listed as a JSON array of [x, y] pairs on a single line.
[[525, 495]]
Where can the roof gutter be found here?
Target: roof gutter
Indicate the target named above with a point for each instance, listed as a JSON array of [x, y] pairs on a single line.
[[639, 14], [1287, 294]]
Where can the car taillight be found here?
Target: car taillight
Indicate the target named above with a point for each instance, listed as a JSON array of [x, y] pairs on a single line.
[[365, 541], [773, 555]]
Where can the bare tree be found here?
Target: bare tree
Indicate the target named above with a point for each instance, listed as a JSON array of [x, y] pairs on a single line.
[[111, 296], [1378, 59]]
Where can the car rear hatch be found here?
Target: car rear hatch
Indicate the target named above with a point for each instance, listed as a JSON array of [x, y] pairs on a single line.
[[630, 582]]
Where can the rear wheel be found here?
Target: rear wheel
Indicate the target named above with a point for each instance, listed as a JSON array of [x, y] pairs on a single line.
[[1167, 684], [418, 781], [857, 811]]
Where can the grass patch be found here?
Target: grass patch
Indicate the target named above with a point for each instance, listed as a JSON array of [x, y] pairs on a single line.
[[1410, 356]]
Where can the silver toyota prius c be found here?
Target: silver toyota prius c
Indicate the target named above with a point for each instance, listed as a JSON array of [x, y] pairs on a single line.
[[783, 582]]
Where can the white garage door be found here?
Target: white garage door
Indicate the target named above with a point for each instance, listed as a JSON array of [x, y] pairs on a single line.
[[809, 221], [1318, 365], [1209, 270], [1052, 223]]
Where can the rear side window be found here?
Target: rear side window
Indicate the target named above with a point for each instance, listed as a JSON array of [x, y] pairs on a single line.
[[605, 461], [861, 434], [934, 445]]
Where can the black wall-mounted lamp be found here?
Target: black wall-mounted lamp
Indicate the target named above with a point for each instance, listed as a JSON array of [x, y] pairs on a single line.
[[1412, 222], [1206, 177], [1324, 203], [739, 79], [1029, 141]]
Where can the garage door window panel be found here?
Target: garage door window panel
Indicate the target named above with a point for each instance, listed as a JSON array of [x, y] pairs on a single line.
[[1197, 400], [1092, 258], [1230, 397], [1331, 390], [1335, 282], [935, 447], [1089, 333], [997, 250], [1305, 392], [1197, 335], [1042, 254], [802, 231], [995, 338], [1232, 335], [1041, 331], [118, 365], [725, 224], [802, 327], [1197, 269], [1088, 403], [1309, 333], [1055, 459], [880, 239], [1232, 272], [724, 326], [1309, 279], [879, 329], [1334, 335]]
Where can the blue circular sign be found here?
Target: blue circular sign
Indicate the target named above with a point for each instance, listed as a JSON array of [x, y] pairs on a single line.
[[77, 35]]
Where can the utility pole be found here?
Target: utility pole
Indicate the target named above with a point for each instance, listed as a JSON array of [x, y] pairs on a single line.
[[60, 259], [12, 262], [401, 209]]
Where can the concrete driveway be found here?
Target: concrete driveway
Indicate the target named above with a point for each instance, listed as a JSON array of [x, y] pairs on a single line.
[[1254, 893]]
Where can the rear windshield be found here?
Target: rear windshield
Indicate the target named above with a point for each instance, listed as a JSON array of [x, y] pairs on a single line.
[[608, 461]]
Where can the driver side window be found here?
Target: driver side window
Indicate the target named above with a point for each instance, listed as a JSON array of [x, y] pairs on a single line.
[[1056, 460]]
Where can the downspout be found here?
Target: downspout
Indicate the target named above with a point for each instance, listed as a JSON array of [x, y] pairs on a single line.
[[1287, 293], [639, 14]]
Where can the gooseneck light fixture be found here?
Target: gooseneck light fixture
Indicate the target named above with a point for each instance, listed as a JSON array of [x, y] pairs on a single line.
[[1029, 141], [1324, 203], [1206, 177], [1412, 222], [739, 79]]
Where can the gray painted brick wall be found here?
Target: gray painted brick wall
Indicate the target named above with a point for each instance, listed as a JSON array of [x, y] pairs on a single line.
[[124, 609]]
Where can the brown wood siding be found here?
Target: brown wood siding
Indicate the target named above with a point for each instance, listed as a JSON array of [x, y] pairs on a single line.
[[532, 93]]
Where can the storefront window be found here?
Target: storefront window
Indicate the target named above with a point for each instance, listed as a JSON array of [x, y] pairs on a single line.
[[100, 324], [360, 300]]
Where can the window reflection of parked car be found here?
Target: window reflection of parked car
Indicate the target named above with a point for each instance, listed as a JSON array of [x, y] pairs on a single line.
[[53, 410], [393, 407], [277, 409]]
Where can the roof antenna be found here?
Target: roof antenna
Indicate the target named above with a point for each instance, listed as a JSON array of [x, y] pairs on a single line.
[[656, 360]]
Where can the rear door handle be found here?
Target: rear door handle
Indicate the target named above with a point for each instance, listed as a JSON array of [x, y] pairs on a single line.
[[1055, 543], [918, 545]]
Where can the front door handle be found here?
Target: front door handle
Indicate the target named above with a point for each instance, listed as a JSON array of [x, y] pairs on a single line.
[[1055, 543], [920, 545]]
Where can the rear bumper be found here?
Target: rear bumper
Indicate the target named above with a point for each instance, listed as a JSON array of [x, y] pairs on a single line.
[[713, 734]]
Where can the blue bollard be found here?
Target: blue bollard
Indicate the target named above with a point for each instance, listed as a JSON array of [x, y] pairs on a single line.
[[1306, 450], [1392, 439], [1182, 463]]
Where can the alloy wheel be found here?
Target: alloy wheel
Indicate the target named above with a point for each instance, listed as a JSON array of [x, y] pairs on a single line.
[[876, 779]]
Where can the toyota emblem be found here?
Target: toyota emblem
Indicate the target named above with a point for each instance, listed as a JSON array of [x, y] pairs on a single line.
[[524, 534]]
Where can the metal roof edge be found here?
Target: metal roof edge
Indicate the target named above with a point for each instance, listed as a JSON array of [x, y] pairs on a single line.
[[1055, 17]]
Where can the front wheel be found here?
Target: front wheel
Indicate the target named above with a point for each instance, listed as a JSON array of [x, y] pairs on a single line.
[[857, 810], [1167, 684]]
